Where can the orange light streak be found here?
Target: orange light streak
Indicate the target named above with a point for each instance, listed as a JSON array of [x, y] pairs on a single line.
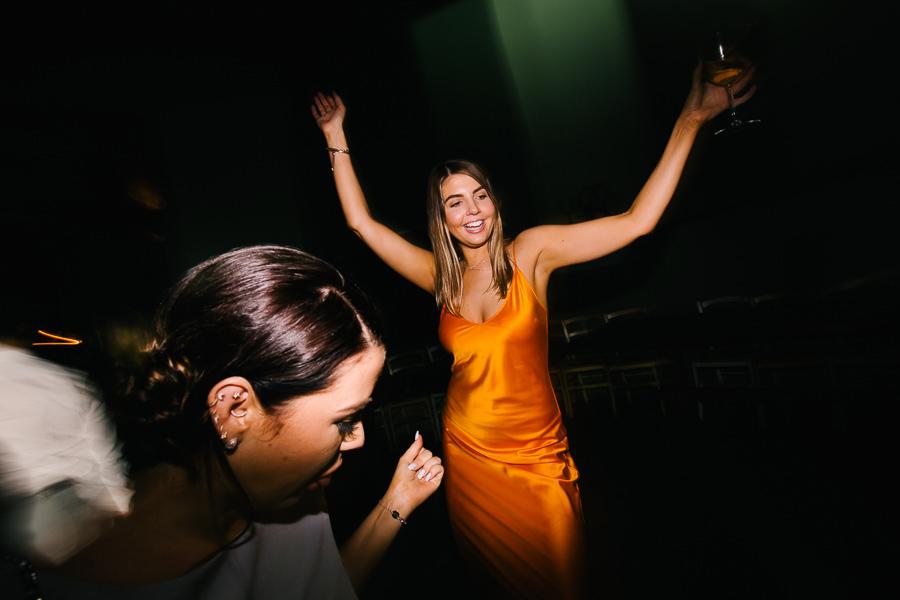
[[64, 340]]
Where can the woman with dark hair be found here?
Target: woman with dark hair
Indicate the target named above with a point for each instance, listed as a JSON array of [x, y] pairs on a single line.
[[260, 365], [511, 486]]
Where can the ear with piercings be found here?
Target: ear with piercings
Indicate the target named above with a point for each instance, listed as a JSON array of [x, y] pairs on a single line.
[[229, 404]]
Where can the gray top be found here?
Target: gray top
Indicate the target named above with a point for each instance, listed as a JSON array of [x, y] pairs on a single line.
[[283, 561]]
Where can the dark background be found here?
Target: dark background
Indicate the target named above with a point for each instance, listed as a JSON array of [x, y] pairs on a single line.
[[138, 139]]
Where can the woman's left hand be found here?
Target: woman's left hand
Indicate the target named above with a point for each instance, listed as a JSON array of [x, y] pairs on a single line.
[[418, 475], [705, 100]]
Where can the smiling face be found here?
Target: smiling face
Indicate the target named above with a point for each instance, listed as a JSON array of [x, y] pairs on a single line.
[[282, 456], [468, 210]]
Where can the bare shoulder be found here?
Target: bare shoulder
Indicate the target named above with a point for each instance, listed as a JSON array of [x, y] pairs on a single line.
[[527, 249], [533, 242]]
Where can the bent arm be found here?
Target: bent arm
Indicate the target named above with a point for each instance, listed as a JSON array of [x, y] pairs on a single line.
[[412, 262], [418, 475]]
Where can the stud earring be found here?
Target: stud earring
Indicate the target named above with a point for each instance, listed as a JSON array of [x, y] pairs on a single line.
[[236, 395], [219, 397]]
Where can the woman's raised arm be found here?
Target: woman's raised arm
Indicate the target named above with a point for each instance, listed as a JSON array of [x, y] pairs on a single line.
[[560, 245], [412, 262]]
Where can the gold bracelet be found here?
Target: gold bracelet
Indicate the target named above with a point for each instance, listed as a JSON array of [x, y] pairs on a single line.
[[393, 513]]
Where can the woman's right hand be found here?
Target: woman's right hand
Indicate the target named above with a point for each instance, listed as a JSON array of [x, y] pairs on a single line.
[[418, 475], [328, 111]]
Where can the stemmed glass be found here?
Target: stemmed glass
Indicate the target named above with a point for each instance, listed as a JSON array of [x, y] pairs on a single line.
[[725, 62]]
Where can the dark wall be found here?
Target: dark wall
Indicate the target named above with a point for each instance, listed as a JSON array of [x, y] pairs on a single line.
[[140, 140]]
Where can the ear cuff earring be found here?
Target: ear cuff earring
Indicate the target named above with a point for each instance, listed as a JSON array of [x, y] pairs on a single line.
[[238, 415]]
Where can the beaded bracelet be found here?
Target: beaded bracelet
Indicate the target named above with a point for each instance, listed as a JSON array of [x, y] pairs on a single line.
[[335, 151], [393, 513]]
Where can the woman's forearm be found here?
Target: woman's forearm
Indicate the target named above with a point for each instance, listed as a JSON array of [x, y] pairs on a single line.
[[364, 549], [353, 201], [654, 197]]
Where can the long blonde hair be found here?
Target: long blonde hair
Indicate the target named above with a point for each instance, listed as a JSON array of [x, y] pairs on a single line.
[[447, 255]]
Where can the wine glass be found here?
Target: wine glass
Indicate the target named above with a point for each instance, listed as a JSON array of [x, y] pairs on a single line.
[[725, 62]]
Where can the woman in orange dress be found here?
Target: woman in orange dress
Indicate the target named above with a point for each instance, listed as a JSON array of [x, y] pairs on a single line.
[[510, 481]]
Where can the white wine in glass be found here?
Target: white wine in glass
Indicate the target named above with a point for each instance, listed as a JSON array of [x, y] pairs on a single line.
[[724, 64]]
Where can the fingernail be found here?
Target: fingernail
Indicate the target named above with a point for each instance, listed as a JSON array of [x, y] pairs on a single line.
[[420, 475], [428, 477], [413, 466], [417, 436]]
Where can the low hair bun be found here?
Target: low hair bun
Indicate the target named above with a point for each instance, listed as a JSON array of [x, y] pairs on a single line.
[[149, 411]]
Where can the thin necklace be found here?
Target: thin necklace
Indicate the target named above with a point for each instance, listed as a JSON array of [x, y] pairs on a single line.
[[472, 268]]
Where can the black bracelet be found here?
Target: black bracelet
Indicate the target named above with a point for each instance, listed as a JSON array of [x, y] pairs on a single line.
[[393, 513], [335, 151]]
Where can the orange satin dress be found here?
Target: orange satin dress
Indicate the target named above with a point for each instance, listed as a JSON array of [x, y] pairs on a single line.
[[510, 482]]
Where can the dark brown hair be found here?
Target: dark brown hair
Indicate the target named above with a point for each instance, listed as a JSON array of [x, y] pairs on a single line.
[[282, 319]]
